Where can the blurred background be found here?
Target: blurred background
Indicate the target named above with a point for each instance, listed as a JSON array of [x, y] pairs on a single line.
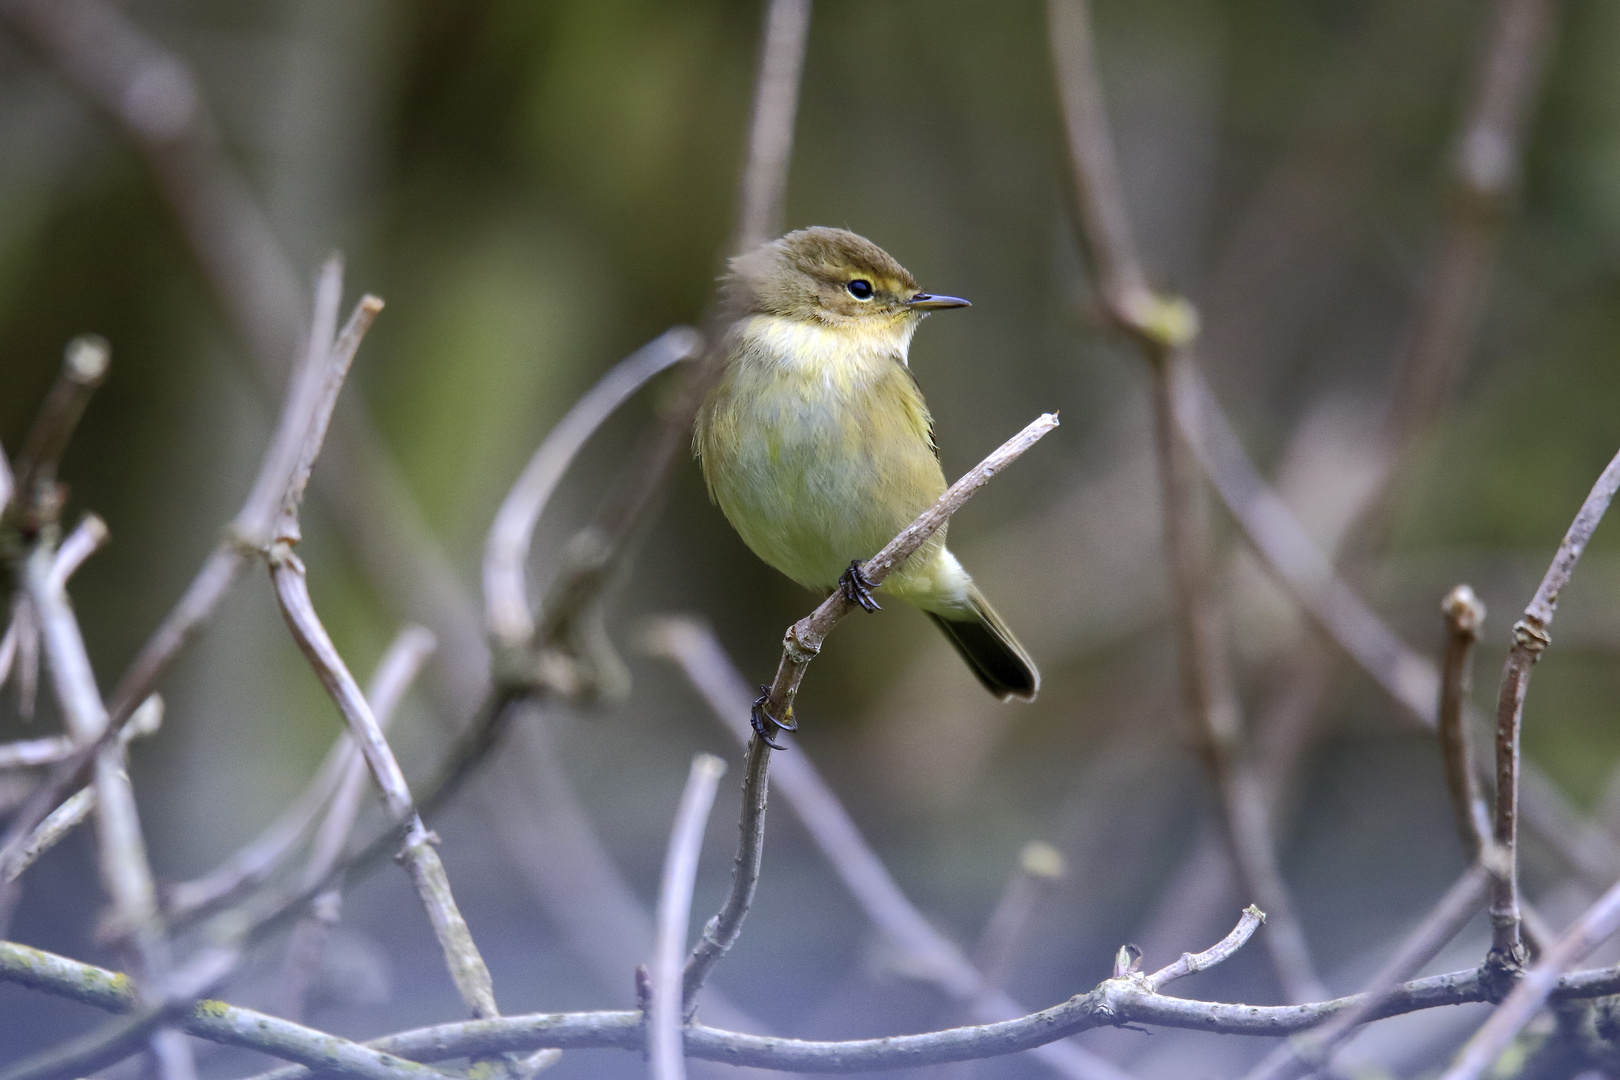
[[537, 189]]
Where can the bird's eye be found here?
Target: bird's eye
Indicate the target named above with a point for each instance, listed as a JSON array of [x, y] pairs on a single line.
[[860, 289]]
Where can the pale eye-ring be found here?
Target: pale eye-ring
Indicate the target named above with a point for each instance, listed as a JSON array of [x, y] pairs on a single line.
[[860, 289]]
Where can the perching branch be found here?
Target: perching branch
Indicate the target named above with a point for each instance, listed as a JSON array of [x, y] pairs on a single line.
[[803, 639], [665, 1011], [694, 648]]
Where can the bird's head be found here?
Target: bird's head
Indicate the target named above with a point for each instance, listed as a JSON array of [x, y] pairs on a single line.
[[830, 276]]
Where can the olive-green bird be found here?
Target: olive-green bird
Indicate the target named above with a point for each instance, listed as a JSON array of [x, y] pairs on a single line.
[[817, 444]]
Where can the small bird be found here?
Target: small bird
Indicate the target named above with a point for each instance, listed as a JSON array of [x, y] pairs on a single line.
[[817, 445]]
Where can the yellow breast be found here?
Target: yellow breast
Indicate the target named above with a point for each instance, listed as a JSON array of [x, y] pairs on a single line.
[[816, 444]]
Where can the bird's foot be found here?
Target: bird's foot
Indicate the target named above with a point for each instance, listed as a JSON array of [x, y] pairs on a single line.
[[763, 722], [858, 587]]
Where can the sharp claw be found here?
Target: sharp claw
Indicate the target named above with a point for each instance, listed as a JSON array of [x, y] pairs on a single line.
[[858, 588], [758, 718]]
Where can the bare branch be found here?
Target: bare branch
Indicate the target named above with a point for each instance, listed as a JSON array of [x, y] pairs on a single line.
[[804, 638], [84, 366], [1486, 160], [1465, 614], [506, 552], [395, 673], [1596, 925], [219, 571], [1191, 963], [65, 818], [1291, 553], [84, 541], [720, 933], [1116, 1001], [26, 753], [1530, 639], [1304, 1055], [125, 871], [1162, 328], [693, 646], [770, 133], [427, 872], [212, 1020], [340, 354], [665, 1011]]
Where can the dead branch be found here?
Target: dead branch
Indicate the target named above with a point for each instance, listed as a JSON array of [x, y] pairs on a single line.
[[665, 1011], [1162, 328]]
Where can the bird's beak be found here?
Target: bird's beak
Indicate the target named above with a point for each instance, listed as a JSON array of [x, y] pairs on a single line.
[[929, 302]]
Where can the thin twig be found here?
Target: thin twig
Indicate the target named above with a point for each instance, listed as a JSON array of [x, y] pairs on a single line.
[[65, 818], [721, 931], [665, 1011], [1192, 963], [125, 871], [1162, 328], [251, 526], [1530, 639], [694, 647], [506, 589], [770, 133], [212, 1020], [1596, 925], [803, 639], [1306, 1054], [84, 541], [461, 955], [1485, 164], [1115, 1002], [84, 366], [1465, 614], [1040, 868], [395, 672]]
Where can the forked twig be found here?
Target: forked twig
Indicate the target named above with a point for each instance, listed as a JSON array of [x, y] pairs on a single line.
[[219, 572]]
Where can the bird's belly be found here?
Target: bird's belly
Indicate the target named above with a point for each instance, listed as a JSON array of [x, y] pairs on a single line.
[[812, 482]]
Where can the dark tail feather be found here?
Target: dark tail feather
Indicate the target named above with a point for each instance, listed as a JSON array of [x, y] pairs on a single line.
[[991, 650]]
